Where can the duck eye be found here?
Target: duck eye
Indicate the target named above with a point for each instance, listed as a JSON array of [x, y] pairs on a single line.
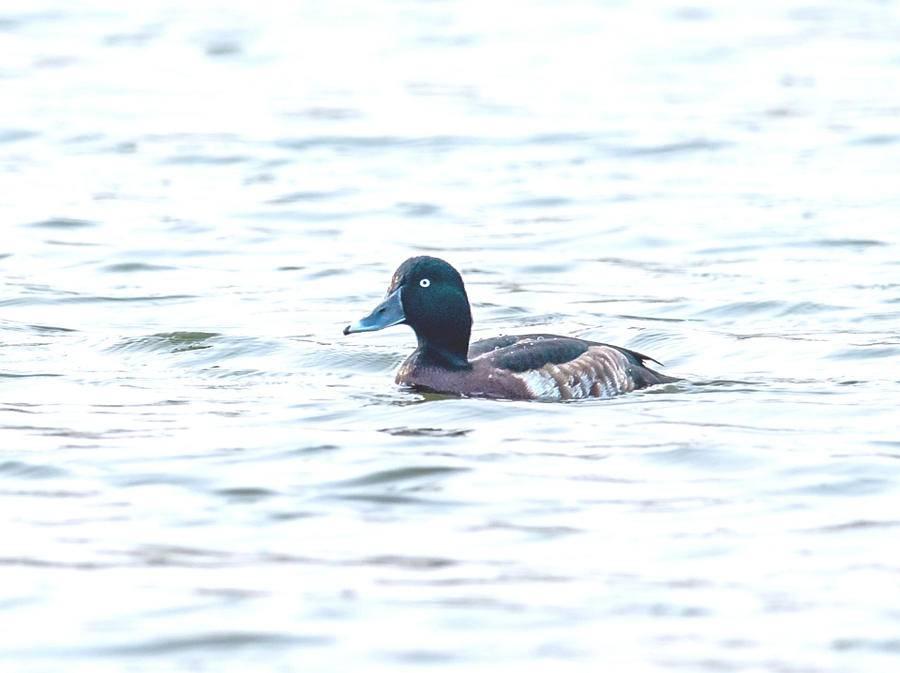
[[424, 282]]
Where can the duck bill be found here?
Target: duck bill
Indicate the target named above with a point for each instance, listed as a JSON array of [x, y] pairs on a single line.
[[387, 313]]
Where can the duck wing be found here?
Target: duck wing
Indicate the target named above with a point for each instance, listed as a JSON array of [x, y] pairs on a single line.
[[557, 367]]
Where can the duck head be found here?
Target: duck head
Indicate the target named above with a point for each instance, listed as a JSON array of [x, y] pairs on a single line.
[[427, 294]]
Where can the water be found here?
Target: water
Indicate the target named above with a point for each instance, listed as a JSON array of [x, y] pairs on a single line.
[[199, 472]]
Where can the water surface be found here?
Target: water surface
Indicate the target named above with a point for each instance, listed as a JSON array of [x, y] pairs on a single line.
[[198, 471]]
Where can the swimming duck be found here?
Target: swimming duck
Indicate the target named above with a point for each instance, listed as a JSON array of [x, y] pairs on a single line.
[[428, 294]]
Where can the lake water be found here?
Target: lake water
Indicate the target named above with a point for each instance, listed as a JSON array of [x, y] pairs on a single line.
[[198, 472]]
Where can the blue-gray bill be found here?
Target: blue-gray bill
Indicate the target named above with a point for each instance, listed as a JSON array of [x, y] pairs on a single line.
[[387, 313]]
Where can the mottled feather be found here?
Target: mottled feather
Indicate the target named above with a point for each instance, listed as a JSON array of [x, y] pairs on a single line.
[[567, 368]]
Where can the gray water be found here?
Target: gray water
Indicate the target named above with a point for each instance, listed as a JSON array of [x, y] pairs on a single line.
[[198, 472]]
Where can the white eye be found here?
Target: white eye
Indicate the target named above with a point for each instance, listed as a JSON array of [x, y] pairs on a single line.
[[424, 282]]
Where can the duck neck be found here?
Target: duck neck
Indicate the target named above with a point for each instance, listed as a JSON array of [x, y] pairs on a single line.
[[443, 328], [445, 354]]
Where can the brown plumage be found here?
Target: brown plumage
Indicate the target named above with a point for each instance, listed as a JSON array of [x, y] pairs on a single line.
[[597, 370]]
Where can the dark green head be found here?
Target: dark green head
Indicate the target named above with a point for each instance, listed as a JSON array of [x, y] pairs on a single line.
[[427, 294]]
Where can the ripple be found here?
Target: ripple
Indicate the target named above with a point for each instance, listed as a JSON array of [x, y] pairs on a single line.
[[347, 358], [708, 459], [891, 645], [63, 223], [327, 113], [216, 642], [561, 139], [51, 329], [877, 139], [698, 145], [772, 307], [423, 657], [218, 47], [654, 340], [852, 486], [380, 499], [868, 352], [418, 209], [541, 202], [295, 197], [409, 562], [15, 468], [90, 299], [15, 135], [132, 267], [401, 474], [206, 159], [378, 142], [425, 432], [246, 494], [73, 244], [859, 525], [543, 532], [663, 610], [133, 39], [11, 375], [172, 342], [845, 243]]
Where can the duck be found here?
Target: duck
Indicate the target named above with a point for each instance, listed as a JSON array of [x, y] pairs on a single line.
[[428, 294]]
